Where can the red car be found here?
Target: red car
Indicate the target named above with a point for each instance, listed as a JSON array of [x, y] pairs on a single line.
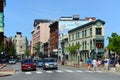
[[28, 64]]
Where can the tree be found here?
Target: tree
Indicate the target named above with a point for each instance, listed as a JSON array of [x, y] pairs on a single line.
[[27, 52], [73, 49], [12, 50], [114, 43], [37, 48]]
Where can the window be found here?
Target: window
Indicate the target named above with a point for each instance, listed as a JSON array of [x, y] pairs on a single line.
[[85, 45], [69, 37], [78, 35], [90, 31], [85, 33], [98, 31], [90, 44], [72, 36], [82, 34]]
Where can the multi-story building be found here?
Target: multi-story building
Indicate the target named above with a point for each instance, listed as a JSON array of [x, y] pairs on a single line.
[[40, 33], [21, 43], [54, 38], [91, 38], [65, 24], [2, 5]]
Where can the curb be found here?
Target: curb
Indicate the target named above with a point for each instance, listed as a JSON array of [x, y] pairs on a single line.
[[2, 75]]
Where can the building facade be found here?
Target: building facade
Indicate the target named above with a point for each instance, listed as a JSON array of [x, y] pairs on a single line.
[[91, 38], [54, 39], [21, 43], [40, 33], [65, 24], [2, 5]]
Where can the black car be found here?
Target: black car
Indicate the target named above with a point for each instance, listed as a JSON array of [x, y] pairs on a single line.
[[50, 63]]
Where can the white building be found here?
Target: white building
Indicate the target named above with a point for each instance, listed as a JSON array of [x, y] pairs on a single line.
[[21, 43]]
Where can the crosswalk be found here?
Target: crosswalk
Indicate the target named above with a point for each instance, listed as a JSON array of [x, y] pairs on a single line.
[[60, 71]]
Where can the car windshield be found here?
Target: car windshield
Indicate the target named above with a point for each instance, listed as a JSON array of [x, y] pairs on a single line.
[[49, 60], [28, 61], [40, 60]]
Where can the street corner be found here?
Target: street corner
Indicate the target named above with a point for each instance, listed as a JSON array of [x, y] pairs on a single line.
[[7, 72], [2, 65]]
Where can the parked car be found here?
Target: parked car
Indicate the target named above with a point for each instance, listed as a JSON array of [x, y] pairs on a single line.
[[50, 63], [28, 64], [39, 62], [12, 61]]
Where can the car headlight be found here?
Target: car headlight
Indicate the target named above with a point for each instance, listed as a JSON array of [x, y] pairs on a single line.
[[46, 64]]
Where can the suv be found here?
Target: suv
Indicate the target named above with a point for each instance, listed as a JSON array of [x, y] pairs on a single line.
[[50, 63]]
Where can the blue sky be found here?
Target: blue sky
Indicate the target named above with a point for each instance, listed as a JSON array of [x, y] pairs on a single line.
[[20, 14]]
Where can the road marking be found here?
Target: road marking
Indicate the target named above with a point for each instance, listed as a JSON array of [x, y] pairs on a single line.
[[99, 71], [49, 72], [38, 72], [28, 73], [89, 71], [69, 70], [59, 71], [79, 71]]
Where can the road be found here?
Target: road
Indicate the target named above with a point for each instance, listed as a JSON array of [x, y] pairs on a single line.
[[63, 73]]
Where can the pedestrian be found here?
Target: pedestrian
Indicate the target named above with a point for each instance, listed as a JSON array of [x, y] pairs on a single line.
[[94, 63], [99, 62], [117, 66], [81, 62], [89, 63], [106, 64]]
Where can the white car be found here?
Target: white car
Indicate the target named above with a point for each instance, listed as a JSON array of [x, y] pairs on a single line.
[[12, 61]]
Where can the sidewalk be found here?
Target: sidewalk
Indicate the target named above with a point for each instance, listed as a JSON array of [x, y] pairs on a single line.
[[84, 66], [5, 72]]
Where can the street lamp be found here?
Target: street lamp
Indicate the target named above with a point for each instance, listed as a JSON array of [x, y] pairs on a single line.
[[62, 45]]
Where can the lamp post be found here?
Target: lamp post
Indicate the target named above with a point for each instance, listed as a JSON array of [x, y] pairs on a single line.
[[78, 57], [62, 46]]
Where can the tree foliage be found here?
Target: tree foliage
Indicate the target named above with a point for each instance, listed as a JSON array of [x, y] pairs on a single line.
[[27, 52], [73, 49], [37, 47], [114, 43], [12, 50]]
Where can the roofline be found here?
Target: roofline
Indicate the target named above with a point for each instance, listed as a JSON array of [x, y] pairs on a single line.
[[92, 22]]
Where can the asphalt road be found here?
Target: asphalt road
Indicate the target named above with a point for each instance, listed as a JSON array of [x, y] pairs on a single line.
[[63, 73]]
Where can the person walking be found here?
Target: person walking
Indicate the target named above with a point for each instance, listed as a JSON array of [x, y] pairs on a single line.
[[94, 63], [89, 63], [81, 62], [106, 64], [99, 62]]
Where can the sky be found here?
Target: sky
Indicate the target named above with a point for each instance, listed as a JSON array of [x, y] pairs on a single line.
[[20, 14]]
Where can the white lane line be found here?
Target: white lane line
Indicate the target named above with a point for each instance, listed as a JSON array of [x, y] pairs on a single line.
[[38, 72], [28, 73], [59, 71], [49, 72], [79, 71], [89, 71], [69, 70], [99, 71]]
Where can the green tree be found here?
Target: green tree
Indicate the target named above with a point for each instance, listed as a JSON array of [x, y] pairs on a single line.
[[27, 52], [12, 50], [114, 43], [73, 49], [37, 48]]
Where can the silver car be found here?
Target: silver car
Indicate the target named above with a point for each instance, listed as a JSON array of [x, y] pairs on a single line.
[[50, 63]]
